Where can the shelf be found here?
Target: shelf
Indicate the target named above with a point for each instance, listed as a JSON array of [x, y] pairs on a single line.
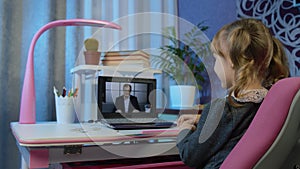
[[94, 68]]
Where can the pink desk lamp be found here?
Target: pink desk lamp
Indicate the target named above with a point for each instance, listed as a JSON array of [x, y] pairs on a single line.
[[27, 109]]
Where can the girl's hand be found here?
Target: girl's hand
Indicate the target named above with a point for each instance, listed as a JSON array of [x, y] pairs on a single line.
[[190, 118], [188, 121]]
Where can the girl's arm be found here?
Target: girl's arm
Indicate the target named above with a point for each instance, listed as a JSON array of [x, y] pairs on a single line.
[[197, 147]]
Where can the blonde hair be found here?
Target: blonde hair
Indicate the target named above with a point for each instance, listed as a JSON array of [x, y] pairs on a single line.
[[254, 52]]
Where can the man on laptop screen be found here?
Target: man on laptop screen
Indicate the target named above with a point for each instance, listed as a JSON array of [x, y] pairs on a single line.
[[127, 103], [134, 106]]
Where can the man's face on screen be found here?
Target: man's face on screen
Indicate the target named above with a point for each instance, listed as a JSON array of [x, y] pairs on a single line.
[[126, 91]]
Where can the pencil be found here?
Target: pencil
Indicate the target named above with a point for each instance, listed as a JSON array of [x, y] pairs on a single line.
[[75, 92], [69, 93]]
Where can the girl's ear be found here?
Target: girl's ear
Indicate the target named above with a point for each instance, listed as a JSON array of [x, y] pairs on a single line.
[[229, 62]]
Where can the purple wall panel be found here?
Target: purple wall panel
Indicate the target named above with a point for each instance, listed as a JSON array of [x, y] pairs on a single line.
[[215, 13]]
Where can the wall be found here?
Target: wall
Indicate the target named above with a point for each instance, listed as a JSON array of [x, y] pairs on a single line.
[[214, 13], [283, 19]]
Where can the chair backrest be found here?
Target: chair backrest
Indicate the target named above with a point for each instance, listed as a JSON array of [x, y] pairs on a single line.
[[273, 132], [285, 151]]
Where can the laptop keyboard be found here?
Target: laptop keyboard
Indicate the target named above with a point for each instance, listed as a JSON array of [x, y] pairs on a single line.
[[135, 120]]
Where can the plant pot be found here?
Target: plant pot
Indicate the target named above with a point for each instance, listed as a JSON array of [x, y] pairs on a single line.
[[92, 57], [182, 96]]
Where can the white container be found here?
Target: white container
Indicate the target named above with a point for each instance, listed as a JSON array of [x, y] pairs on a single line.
[[182, 96], [65, 112]]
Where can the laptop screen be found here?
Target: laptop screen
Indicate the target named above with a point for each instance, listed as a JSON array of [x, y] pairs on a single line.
[[111, 91]]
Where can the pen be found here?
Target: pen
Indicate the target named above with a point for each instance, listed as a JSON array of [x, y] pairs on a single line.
[[69, 93], [64, 92]]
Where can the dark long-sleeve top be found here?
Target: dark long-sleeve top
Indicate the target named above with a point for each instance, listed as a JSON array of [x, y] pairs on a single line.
[[133, 104], [220, 127]]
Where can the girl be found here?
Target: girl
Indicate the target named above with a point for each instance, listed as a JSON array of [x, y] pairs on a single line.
[[248, 60]]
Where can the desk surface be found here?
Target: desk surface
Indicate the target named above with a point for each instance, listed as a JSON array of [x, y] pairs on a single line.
[[51, 134]]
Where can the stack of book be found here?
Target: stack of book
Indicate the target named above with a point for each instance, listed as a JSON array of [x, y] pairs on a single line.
[[127, 59]]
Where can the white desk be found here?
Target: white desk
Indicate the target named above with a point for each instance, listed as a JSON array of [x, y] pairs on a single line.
[[48, 143]]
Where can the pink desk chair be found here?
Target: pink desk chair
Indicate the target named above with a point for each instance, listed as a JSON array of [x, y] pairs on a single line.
[[271, 140]]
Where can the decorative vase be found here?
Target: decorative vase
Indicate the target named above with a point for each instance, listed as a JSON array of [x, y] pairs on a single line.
[[92, 57], [182, 96]]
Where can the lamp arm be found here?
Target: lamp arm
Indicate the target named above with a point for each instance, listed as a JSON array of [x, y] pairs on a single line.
[[28, 99]]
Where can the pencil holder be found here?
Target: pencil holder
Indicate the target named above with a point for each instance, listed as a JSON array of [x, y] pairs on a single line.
[[65, 112]]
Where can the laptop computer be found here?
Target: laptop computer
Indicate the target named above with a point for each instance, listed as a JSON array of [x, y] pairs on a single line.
[[144, 89]]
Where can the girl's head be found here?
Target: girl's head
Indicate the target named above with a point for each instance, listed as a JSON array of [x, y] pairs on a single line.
[[249, 56]]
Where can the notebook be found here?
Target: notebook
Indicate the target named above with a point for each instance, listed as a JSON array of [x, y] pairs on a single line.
[[144, 89]]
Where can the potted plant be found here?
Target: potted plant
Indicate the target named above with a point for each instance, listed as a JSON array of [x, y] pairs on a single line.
[[181, 59], [92, 56]]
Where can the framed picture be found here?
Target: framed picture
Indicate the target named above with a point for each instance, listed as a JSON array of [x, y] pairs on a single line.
[[296, 3]]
